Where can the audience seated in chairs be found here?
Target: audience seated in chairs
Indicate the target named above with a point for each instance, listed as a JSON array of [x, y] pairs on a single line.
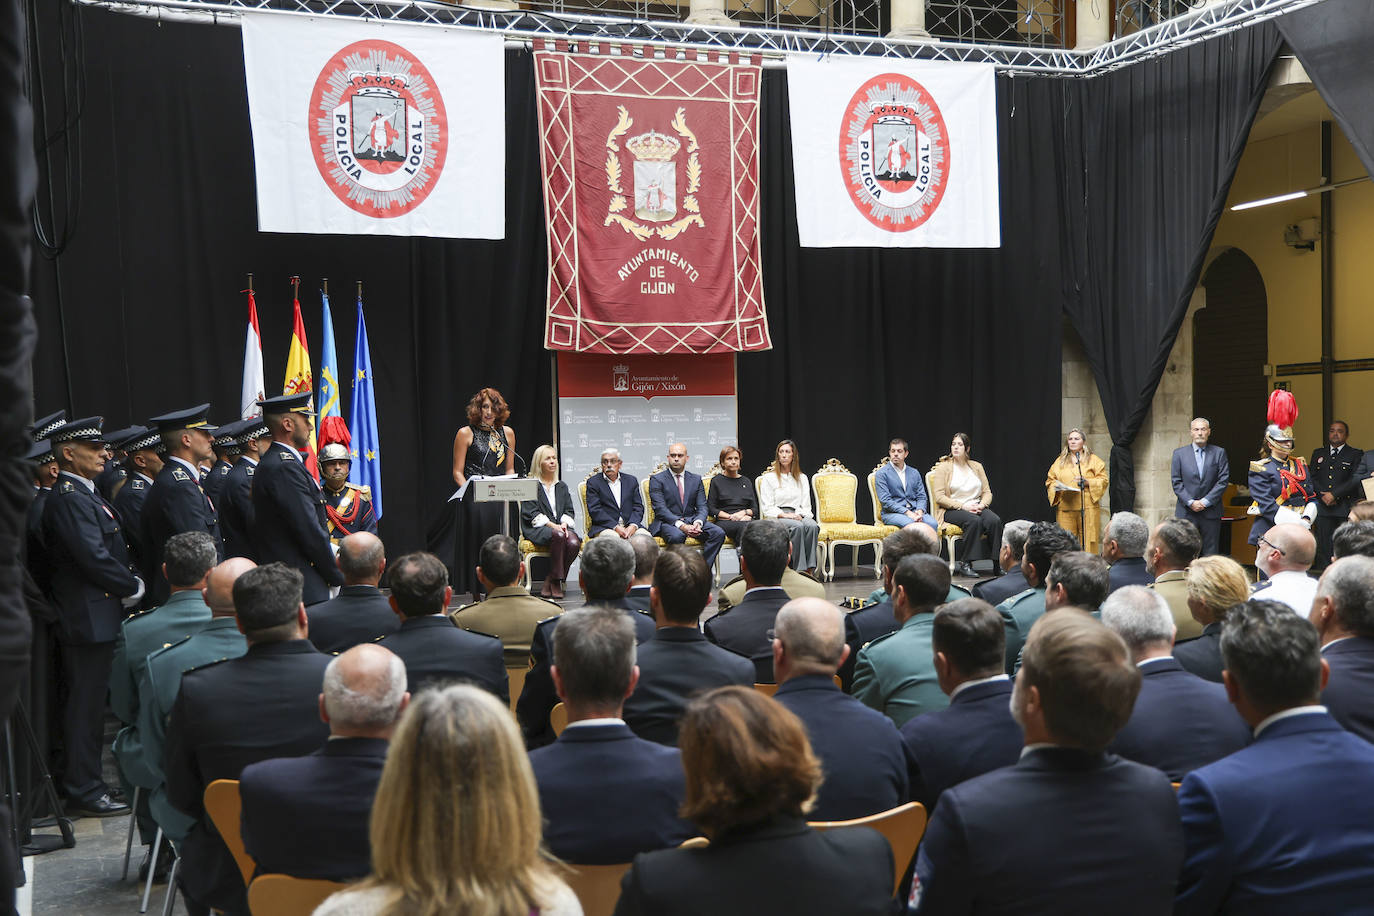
[[875, 618], [1282, 826], [678, 661], [732, 502], [861, 754], [1354, 538], [614, 505], [1076, 579], [1123, 546], [1012, 581], [975, 734], [360, 612], [1284, 554], [1344, 617], [1020, 612], [1175, 543], [432, 648], [606, 795], [646, 555], [895, 673], [1069, 828], [456, 827], [785, 495], [1180, 722], [796, 584], [751, 778], [510, 613], [307, 816], [743, 629], [1214, 585], [547, 520]]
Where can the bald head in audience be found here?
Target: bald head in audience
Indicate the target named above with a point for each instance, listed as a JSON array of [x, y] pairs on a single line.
[[219, 585], [809, 639], [362, 559], [1291, 548], [364, 693]]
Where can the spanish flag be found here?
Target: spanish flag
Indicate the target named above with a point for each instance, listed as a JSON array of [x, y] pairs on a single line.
[[298, 377]]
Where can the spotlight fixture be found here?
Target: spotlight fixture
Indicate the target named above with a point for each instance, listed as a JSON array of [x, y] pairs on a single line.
[[1294, 195]]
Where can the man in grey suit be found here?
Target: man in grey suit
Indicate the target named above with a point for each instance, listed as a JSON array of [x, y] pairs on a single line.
[[1200, 473]]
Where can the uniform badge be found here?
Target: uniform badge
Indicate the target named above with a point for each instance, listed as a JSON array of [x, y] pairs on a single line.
[[179, 474], [66, 487], [138, 484]]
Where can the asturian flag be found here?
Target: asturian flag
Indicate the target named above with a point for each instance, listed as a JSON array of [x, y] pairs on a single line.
[[366, 448], [254, 388], [332, 426], [299, 378], [894, 153]]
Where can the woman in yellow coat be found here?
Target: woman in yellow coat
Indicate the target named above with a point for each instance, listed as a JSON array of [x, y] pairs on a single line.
[[1078, 474]]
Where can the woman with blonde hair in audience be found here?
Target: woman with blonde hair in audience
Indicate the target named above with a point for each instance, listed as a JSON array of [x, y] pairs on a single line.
[[751, 778], [1215, 585], [456, 827], [1075, 484], [785, 494], [961, 494]]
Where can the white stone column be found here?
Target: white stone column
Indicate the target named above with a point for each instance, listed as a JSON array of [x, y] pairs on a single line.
[[708, 12], [909, 20], [1094, 24]]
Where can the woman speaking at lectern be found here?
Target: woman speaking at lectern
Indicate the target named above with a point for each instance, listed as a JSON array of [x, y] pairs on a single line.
[[1075, 485], [486, 448]]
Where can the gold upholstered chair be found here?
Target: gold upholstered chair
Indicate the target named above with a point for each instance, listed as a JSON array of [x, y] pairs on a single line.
[[649, 508], [948, 532], [877, 505], [530, 549], [835, 491]]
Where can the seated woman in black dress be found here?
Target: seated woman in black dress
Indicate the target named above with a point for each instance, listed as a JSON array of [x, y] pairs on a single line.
[[485, 447], [548, 522], [732, 502], [751, 777]]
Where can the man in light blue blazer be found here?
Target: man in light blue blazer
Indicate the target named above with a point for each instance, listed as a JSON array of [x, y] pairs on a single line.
[[1199, 473], [901, 491], [1281, 826]]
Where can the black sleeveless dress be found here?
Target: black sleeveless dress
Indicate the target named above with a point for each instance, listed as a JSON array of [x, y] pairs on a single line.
[[474, 522]]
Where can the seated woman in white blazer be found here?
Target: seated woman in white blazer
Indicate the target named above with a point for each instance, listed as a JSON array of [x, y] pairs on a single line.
[[785, 494]]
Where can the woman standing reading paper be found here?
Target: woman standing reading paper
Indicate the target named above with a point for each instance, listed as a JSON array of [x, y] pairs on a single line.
[[483, 448], [1075, 485]]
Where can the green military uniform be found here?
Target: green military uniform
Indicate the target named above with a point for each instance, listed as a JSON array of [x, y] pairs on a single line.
[[878, 595], [1019, 614], [796, 584], [895, 673], [510, 613], [1173, 588], [218, 640]]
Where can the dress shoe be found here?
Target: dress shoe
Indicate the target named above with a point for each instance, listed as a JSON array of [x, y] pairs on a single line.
[[103, 806], [965, 569], [165, 857], [116, 793]]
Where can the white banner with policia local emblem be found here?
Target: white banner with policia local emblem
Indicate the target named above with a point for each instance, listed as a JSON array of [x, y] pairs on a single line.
[[894, 153], [376, 128]]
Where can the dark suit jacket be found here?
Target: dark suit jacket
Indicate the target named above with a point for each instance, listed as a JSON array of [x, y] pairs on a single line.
[[859, 748], [227, 715], [537, 698], [1349, 694], [1202, 656], [1340, 477], [677, 663], [1062, 831], [668, 508], [1211, 486], [743, 628], [175, 504], [308, 816], [602, 511], [861, 627], [1128, 571], [236, 509], [995, 591], [608, 796], [289, 524], [637, 599], [532, 507], [1180, 722], [434, 649], [359, 614], [778, 866], [1282, 826], [973, 735]]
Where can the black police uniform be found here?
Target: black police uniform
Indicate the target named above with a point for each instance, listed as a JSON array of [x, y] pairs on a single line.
[[214, 483], [175, 504], [289, 522], [236, 509], [128, 502]]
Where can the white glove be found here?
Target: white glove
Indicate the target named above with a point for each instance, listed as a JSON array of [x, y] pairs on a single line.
[[136, 597]]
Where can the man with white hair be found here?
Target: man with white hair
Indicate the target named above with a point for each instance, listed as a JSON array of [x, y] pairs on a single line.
[[615, 507], [308, 816], [1343, 614], [1180, 721], [1285, 553], [1123, 546]]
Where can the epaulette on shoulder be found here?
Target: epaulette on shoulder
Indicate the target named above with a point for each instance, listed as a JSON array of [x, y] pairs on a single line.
[[480, 633], [224, 469], [169, 645], [649, 614], [1008, 602], [547, 601], [1259, 466], [179, 474], [286, 454], [959, 588], [380, 638], [454, 613], [249, 470], [877, 639], [137, 614], [66, 486], [138, 483], [204, 665], [550, 619], [733, 581]]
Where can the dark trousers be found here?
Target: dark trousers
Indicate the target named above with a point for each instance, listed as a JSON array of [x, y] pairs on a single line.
[[87, 669], [1324, 529], [1210, 528], [733, 528], [977, 527]]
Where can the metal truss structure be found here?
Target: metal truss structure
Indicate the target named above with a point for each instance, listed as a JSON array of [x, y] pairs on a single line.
[[661, 38]]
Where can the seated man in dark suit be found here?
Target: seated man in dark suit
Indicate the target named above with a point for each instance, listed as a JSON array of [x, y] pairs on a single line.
[[860, 751], [1012, 581], [1180, 722], [678, 498], [765, 548], [432, 647], [308, 816], [605, 794], [975, 734], [231, 713], [1069, 828], [1344, 617], [1123, 546], [605, 569], [360, 613], [614, 504], [679, 662], [646, 555], [1281, 826]]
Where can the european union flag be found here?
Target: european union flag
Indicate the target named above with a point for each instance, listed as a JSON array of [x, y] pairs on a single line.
[[366, 447]]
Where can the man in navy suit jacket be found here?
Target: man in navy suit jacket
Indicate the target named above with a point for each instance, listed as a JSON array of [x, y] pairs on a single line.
[[1282, 826], [860, 751], [1343, 614], [764, 550], [606, 796], [975, 734], [613, 500], [1013, 580], [1123, 546], [1199, 473], [1069, 828], [360, 613], [1180, 721], [308, 816], [679, 501]]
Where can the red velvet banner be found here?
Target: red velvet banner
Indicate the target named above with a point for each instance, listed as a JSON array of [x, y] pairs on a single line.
[[651, 194]]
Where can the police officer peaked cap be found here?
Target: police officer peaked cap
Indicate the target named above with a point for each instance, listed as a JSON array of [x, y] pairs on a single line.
[[226, 436], [287, 403], [117, 437], [87, 429], [41, 452], [140, 438], [253, 428], [191, 418], [43, 427]]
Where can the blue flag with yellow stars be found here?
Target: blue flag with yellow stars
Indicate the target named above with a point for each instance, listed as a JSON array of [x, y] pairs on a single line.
[[366, 446]]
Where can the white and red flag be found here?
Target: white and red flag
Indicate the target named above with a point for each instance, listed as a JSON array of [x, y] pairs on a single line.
[[254, 388]]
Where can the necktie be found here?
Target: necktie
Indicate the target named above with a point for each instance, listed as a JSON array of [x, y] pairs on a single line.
[[1197, 454], [1335, 450], [681, 493]]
